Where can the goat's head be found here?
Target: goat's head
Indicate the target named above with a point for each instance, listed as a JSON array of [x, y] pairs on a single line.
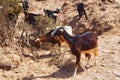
[[57, 32], [58, 10], [46, 11], [46, 37]]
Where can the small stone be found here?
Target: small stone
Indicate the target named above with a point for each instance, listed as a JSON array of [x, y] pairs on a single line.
[[118, 42], [117, 78], [112, 52], [97, 77], [116, 73], [103, 65]]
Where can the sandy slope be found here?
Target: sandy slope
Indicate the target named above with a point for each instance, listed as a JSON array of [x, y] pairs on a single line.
[[25, 68]]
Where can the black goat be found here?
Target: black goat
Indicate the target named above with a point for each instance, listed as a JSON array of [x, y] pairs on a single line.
[[30, 17], [81, 10], [52, 14], [81, 43], [25, 5]]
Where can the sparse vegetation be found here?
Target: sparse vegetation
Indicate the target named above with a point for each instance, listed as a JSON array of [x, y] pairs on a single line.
[[18, 50], [6, 28], [44, 24]]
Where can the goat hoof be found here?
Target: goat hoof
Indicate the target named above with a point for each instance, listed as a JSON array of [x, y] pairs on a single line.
[[87, 67], [74, 76]]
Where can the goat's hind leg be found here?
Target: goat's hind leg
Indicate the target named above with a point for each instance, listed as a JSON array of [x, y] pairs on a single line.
[[87, 55], [95, 54]]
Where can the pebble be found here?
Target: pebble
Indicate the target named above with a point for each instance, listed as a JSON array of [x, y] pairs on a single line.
[[117, 78], [103, 65], [117, 73], [112, 52]]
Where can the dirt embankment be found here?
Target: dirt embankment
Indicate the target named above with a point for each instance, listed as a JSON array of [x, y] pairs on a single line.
[[102, 16]]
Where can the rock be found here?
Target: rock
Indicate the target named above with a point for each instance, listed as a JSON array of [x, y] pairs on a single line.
[[117, 78], [97, 77], [118, 43], [103, 65], [112, 52], [117, 73], [5, 65]]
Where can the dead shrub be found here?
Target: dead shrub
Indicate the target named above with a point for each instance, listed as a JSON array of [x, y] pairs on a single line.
[[7, 29], [30, 32], [43, 25]]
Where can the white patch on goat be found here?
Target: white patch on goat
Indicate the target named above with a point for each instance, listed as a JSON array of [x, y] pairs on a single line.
[[55, 14], [68, 29], [57, 27]]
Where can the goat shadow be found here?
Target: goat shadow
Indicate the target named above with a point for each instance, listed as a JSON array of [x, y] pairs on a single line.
[[66, 71], [46, 56], [74, 21], [39, 57]]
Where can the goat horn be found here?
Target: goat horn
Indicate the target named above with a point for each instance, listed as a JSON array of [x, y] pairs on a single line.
[[37, 40]]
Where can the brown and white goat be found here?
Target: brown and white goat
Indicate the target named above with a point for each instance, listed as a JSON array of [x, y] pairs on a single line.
[[81, 43]]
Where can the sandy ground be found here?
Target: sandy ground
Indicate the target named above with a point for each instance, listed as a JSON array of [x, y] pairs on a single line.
[[108, 64], [45, 68]]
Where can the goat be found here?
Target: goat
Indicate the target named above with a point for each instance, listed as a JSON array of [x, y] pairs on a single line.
[[52, 14], [25, 5], [80, 43], [81, 10], [30, 17], [54, 39]]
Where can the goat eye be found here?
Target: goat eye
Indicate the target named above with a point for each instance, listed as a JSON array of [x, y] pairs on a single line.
[[59, 33]]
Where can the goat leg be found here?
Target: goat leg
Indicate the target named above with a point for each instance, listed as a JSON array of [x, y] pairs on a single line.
[[85, 15], [95, 54], [77, 64], [80, 15], [87, 56]]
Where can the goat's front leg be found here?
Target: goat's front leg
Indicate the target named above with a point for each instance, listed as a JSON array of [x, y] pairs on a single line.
[[80, 15], [87, 55], [55, 19], [77, 64]]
